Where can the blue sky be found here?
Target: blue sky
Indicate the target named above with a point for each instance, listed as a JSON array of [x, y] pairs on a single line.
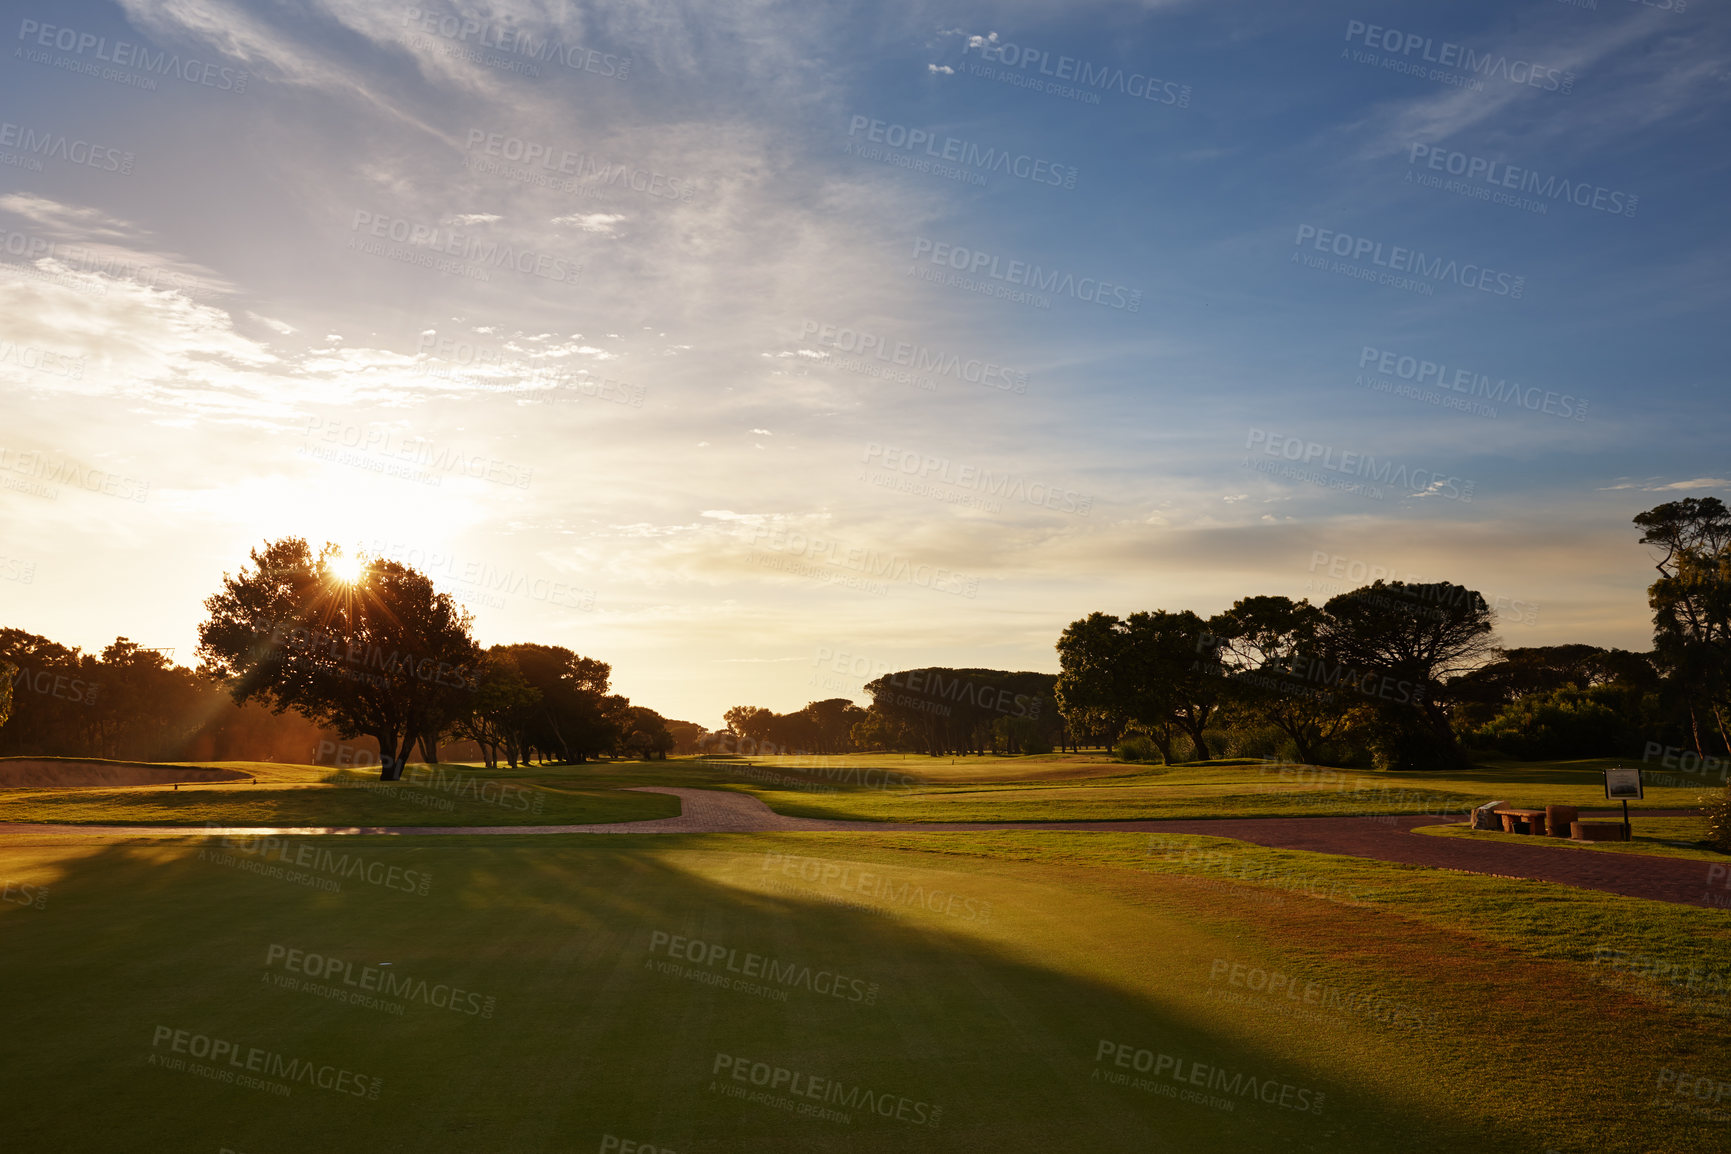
[[606, 384]]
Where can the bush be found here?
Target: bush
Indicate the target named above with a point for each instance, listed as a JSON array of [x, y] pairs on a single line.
[[1566, 722], [1718, 813], [1136, 747]]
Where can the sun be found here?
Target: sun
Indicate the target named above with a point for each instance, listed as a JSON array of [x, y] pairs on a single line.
[[348, 570]]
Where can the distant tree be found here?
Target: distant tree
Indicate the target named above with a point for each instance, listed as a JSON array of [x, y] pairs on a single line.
[[573, 720], [688, 736], [500, 709], [750, 721], [829, 724], [55, 690], [384, 655], [940, 710], [647, 736], [1395, 644]]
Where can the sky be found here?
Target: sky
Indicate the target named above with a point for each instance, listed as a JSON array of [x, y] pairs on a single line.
[[758, 349]]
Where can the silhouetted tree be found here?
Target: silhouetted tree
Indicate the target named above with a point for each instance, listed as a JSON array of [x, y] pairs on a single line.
[[384, 655]]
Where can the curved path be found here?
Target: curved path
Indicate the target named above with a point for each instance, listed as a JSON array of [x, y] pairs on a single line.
[[1681, 880]]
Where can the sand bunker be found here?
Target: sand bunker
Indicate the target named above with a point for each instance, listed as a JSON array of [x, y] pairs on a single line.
[[61, 773]]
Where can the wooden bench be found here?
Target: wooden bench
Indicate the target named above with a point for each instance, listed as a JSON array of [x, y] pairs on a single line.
[[1597, 831]]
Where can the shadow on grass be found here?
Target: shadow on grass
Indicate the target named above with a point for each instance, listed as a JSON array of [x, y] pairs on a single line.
[[588, 1036]]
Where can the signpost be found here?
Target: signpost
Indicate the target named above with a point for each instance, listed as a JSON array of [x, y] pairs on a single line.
[[1621, 785]]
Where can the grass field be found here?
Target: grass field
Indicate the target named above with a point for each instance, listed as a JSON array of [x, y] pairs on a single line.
[[990, 982], [1090, 787], [1005, 991], [288, 795]]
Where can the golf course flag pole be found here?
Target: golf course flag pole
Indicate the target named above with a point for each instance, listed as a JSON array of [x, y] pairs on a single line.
[[1620, 785]]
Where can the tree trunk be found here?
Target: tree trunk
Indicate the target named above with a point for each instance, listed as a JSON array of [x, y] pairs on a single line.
[[391, 762]]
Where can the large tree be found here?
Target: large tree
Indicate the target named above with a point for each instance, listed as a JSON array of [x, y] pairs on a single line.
[[1266, 643], [1691, 602], [1159, 670], [575, 718], [369, 650], [1395, 644]]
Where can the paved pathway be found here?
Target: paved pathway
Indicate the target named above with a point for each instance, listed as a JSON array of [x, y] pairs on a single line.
[[1681, 880]]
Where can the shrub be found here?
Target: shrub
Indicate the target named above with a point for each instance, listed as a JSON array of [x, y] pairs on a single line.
[[1718, 813], [1136, 747], [1566, 722]]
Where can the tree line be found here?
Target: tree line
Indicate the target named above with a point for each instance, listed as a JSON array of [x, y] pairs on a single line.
[[1393, 674], [297, 649]]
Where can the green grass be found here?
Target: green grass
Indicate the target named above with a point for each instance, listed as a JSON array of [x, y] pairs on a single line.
[[1091, 787], [1684, 837], [1451, 1012], [314, 796]]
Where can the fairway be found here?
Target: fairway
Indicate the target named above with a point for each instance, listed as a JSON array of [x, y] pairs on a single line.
[[1094, 787], [1014, 991]]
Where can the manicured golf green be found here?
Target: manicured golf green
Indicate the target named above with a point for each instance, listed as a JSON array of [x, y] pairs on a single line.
[[1013, 991], [1092, 787], [504, 802]]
